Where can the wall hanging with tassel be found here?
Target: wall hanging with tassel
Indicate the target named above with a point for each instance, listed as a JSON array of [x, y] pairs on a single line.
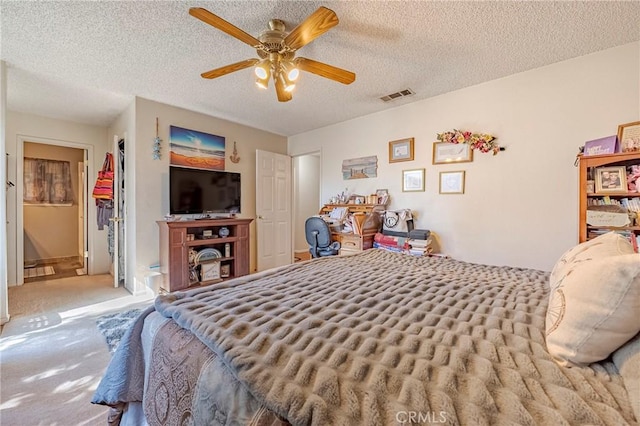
[[156, 143]]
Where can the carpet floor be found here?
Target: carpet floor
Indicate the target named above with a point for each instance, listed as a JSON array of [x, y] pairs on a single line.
[[52, 355]]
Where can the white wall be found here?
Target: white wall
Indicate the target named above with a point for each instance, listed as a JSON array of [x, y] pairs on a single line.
[[4, 299], [520, 207], [306, 190], [151, 178], [21, 126]]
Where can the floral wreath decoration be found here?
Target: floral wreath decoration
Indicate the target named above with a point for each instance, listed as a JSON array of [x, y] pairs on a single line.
[[480, 141]]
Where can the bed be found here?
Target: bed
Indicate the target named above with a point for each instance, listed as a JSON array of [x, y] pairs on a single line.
[[377, 338]]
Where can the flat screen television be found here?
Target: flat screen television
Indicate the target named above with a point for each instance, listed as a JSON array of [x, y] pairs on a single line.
[[196, 191]]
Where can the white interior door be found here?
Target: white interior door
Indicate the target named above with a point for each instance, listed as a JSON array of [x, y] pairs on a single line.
[[118, 215], [273, 208], [83, 251]]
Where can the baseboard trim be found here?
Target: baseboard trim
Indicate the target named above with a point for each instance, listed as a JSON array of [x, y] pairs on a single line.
[[53, 260]]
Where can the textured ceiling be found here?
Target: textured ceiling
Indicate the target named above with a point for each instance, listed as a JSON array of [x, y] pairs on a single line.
[[85, 61]]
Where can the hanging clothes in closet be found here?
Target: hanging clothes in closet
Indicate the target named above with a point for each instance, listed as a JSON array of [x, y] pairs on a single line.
[[103, 192]]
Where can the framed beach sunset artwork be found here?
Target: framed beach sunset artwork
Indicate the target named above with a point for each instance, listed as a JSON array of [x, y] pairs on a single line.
[[198, 150]]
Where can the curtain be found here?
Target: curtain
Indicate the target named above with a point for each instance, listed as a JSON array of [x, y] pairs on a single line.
[[47, 182]]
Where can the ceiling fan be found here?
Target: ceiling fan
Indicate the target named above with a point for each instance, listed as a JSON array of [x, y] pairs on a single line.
[[276, 49]]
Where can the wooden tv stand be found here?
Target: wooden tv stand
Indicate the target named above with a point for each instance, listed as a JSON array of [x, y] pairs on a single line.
[[177, 238]]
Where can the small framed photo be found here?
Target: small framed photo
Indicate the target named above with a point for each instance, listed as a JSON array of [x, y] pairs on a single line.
[[413, 180], [382, 196], [225, 270], [445, 152], [611, 179], [401, 150], [452, 182], [629, 137]]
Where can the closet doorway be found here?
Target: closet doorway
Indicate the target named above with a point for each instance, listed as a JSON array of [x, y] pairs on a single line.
[[306, 198], [52, 211]]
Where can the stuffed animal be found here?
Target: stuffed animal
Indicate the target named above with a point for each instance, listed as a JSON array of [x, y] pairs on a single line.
[[633, 179]]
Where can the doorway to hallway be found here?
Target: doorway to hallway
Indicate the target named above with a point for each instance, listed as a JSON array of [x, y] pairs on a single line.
[[51, 217]]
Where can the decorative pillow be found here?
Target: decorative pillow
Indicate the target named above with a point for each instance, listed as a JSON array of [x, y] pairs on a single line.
[[606, 245], [594, 308]]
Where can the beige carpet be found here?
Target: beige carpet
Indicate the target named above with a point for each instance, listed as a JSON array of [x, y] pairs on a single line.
[[52, 355]]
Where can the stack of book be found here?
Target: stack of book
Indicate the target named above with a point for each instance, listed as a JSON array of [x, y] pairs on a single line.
[[420, 247], [391, 243], [411, 246]]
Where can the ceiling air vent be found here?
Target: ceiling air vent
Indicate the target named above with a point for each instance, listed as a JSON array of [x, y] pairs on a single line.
[[400, 94]]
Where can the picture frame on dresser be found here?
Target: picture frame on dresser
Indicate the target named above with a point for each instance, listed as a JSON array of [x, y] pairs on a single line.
[[382, 196], [629, 137], [611, 179]]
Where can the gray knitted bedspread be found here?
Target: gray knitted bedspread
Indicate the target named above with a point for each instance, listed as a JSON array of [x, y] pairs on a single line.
[[383, 338]]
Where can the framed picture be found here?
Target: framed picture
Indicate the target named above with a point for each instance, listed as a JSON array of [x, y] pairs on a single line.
[[382, 196], [225, 270], [445, 152], [413, 180], [360, 168], [452, 182], [629, 136], [611, 179], [194, 149], [401, 150]]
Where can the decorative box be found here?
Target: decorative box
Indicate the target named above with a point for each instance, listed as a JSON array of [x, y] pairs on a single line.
[[608, 145], [605, 218]]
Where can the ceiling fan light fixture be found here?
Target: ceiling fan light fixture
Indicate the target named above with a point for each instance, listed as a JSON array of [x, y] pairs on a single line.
[[291, 72], [276, 51], [288, 85], [263, 69], [262, 83]]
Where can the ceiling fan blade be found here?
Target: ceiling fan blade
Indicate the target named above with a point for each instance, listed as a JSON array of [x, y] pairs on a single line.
[[316, 24], [325, 70], [283, 95], [227, 69], [207, 17]]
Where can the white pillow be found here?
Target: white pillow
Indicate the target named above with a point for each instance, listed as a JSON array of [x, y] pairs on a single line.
[[606, 245], [594, 308]]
